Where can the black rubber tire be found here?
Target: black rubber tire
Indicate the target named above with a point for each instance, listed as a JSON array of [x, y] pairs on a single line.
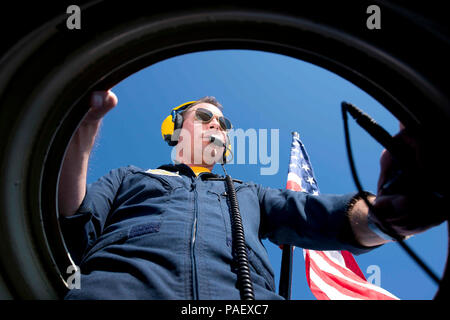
[[47, 74]]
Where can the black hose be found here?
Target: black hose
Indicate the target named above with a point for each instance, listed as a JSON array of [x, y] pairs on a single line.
[[239, 247]]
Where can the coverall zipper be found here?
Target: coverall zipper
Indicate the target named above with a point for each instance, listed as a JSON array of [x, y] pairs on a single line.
[[194, 234]]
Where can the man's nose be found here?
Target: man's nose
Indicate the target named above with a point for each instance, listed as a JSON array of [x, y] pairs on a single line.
[[214, 123]]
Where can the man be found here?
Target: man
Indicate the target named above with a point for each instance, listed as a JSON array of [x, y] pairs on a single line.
[[166, 233]]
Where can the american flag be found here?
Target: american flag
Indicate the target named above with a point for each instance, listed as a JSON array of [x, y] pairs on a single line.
[[331, 275]]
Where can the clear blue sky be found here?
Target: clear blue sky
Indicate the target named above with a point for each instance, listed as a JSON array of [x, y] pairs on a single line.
[[261, 90]]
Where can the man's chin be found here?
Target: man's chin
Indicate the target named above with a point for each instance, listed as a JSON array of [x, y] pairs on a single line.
[[210, 156]]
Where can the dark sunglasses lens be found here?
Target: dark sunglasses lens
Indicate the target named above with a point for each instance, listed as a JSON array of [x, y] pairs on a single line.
[[206, 116], [225, 123], [203, 115]]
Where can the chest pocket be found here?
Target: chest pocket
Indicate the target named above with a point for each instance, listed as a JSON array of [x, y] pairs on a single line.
[[142, 194], [223, 203]]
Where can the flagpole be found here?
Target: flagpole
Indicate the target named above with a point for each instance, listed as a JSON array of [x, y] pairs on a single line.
[[286, 262], [286, 272]]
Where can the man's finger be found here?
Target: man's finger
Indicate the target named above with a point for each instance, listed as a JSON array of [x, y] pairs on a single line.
[[385, 166], [101, 103]]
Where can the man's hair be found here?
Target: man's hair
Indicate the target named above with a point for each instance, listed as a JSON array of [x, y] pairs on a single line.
[[208, 99]]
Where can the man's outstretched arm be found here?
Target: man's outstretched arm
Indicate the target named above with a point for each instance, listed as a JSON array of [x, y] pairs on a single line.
[[72, 181]]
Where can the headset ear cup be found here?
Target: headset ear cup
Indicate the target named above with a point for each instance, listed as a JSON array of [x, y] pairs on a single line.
[[170, 128], [175, 137], [177, 129], [167, 128]]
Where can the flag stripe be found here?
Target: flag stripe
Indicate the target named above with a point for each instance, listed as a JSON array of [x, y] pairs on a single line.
[[346, 260], [292, 185], [351, 264], [338, 270], [292, 176], [346, 288], [339, 267], [327, 286], [320, 268], [328, 266], [318, 293]]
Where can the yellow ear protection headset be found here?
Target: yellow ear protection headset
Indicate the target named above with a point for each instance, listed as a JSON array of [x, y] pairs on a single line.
[[172, 123]]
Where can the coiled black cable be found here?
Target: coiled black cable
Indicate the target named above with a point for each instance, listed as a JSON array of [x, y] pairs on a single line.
[[239, 247]]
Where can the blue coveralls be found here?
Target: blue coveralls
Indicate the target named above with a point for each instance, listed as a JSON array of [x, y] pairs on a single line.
[[166, 234]]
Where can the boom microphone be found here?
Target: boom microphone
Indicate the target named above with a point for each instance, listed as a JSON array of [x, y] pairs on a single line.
[[217, 141]]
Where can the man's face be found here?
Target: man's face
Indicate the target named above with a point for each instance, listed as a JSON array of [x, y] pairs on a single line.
[[194, 146]]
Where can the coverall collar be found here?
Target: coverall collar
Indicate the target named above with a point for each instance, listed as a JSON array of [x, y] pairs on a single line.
[[186, 170]]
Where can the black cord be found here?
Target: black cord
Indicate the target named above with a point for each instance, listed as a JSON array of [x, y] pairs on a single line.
[[239, 247], [389, 230]]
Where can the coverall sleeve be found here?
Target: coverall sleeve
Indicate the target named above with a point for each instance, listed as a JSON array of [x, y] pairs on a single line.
[[303, 220], [86, 225]]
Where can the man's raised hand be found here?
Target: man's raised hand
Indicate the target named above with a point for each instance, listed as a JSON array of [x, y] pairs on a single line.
[[101, 103]]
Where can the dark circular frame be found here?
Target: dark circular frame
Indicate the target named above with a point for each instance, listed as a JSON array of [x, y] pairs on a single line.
[[60, 67]]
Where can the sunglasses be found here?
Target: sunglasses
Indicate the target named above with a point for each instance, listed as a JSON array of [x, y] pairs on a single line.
[[206, 116]]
